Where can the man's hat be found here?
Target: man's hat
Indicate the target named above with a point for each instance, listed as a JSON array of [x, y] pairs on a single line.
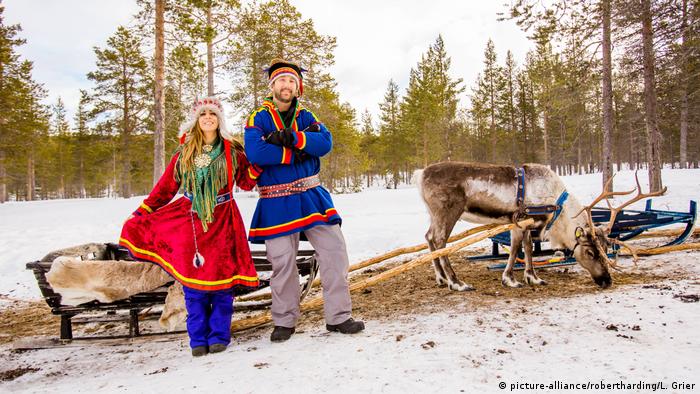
[[280, 67]]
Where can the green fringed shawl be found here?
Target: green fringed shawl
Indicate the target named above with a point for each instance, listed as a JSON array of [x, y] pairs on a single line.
[[204, 183]]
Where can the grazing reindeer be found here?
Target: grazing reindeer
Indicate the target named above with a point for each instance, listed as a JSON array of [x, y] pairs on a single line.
[[483, 193]]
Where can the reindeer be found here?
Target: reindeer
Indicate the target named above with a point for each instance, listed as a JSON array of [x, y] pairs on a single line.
[[483, 193]]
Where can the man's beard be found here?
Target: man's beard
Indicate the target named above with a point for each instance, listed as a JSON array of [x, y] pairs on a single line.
[[281, 99]]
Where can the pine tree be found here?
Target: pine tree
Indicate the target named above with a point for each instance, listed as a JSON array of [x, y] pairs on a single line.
[[507, 111], [60, 147], [9, 83], [121, 93], [22, 118], [369, 148], [275, 29], [211, 22], [395, 148], [429, 107], [485, 95]]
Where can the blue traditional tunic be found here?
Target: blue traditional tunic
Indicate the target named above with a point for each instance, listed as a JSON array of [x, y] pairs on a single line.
[[278, 216]]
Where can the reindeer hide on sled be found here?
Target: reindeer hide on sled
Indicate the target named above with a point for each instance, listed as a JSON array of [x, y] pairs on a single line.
[[79, 281]]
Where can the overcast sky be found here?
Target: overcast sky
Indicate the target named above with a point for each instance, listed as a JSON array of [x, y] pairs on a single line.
[[377, 40]]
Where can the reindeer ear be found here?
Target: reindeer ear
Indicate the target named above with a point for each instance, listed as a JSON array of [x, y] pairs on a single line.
[[579, 232]]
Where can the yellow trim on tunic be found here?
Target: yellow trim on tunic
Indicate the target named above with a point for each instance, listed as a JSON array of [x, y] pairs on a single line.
[[251, 118], [251, 174], [293, 221], [184, 279], [147, 208]]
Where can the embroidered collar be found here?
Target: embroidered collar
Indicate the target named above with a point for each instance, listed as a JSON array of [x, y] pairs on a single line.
[[277, 117]]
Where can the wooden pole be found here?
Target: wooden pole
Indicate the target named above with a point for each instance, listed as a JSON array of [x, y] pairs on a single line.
[[666, 233], [386, 256], [662, 249], [317, 302]]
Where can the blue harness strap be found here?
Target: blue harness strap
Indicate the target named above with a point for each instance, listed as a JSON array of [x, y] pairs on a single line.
[[534, 210]]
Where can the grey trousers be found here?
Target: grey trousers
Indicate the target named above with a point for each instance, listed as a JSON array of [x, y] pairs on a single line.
[[332, 258]]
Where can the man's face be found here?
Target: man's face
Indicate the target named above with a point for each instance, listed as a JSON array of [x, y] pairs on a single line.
[[284, 89]]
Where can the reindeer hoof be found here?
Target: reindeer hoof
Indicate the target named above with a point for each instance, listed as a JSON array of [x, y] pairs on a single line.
[[534, 281], [441, 282], [461, 286], [508, 282]]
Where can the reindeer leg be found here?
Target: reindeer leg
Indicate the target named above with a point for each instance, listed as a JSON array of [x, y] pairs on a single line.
[[443, 217], [440, 276], [529, 275], [453, 281], [516, 238]]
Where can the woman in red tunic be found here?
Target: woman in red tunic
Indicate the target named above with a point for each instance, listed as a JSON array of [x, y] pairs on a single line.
[[200, 239]]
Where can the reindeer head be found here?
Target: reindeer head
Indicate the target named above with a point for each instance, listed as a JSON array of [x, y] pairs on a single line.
[[591, 250]]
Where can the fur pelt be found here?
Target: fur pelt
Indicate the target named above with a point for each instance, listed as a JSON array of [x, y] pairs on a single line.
[[79, 281], [174, 311], [91, 251]]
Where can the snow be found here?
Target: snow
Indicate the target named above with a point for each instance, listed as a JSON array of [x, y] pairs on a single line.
[[563, 340]]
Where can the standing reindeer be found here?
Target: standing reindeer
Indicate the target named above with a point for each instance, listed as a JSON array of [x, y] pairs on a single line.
[[483, 193]]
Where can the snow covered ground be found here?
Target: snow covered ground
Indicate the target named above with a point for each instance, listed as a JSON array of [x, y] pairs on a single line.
[[629, 334]]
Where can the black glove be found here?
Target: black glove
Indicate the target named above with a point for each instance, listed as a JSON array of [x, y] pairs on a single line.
[[300, 156], [284, 137], [314, 128]]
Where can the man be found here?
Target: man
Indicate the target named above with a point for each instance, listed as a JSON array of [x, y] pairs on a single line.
[[287, 140]]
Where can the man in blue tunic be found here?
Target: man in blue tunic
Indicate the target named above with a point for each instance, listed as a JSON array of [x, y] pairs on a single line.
[[287, 140]]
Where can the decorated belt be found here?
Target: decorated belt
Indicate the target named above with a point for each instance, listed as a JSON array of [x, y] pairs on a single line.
[[220, 199], [287, 189]]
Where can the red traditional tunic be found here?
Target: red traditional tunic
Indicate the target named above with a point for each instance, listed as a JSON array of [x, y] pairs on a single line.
[[163, 234]]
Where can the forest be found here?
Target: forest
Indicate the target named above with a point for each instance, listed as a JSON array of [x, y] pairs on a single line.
[[609, 85]]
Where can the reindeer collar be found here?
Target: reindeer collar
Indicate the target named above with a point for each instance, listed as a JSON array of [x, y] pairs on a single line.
[[534, 210]]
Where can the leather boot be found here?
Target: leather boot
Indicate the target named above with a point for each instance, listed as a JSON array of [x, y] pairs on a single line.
[[350, 326], [281, 334]]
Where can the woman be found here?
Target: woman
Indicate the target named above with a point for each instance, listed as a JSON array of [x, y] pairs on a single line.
[[199, 239]]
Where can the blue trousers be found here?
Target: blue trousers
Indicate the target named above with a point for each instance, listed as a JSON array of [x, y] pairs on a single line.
[[208, 316]]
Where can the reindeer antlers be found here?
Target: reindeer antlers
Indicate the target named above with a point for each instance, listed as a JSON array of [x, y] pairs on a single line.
[[639, 196], [604, 195], [615, 210]]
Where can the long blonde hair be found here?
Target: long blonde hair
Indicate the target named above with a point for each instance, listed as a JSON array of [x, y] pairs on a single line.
[[193, 147]]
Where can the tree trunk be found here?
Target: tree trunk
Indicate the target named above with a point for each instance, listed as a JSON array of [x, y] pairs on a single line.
[[30, 176], [545, 137], [210, 58], [684, 88], [653, 137], [125, 180], [607, 95], [81, 178], [158, 112], [3, 178]]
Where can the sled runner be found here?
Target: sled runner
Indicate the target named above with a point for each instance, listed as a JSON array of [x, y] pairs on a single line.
[[306, 263], [628, 225]]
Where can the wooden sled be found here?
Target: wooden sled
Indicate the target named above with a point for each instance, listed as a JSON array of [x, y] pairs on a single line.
[[628, 225], [135, 304]]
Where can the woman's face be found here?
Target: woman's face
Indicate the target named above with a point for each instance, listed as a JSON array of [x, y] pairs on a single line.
[[208, 121]]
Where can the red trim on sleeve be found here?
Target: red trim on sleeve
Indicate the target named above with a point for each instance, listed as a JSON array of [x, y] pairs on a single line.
[[286, 155], [301, 140], [254, 171]]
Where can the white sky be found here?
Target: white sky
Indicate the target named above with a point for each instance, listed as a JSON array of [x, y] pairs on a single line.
[[377, 40]]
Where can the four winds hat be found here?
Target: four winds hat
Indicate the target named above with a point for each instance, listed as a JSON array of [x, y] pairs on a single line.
[[280, 67], [212, 104]]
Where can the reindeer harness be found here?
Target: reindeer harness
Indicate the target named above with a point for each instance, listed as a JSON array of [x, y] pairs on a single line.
[[535, 210]]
